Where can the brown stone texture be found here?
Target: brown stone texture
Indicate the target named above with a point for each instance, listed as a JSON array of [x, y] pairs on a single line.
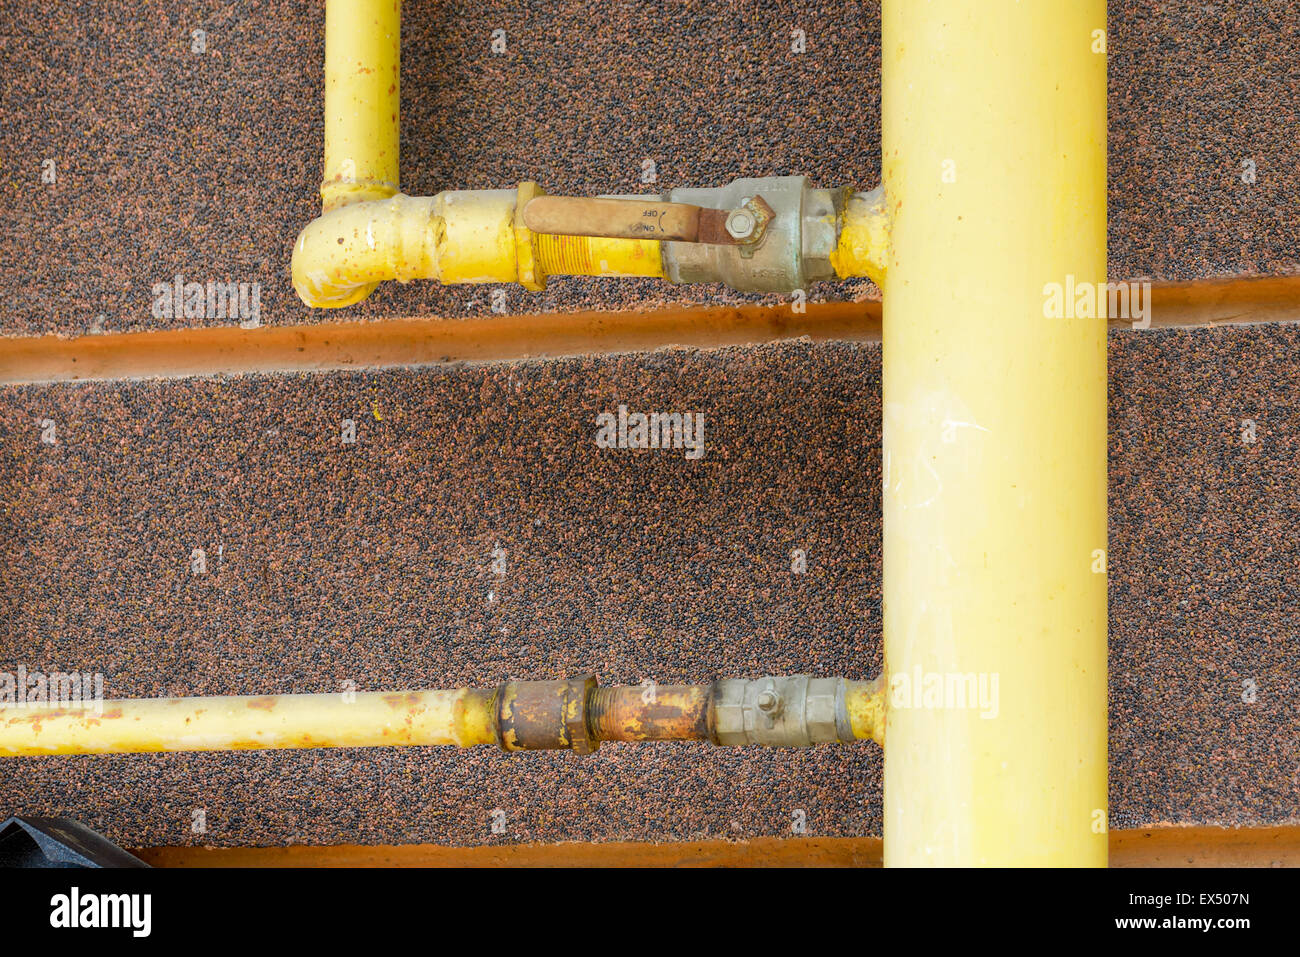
[[370, 562]]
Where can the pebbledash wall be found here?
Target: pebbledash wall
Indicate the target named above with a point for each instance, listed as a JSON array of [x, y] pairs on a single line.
[[355, 527]]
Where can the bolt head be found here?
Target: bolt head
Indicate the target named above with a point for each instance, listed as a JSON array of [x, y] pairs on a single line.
[[741, 223], [768, 701]]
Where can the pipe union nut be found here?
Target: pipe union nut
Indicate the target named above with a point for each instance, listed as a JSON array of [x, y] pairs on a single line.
[[546, 715], [729, 712]]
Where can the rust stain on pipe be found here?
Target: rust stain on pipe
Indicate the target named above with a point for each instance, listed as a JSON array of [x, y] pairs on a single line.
[[405, 342], [1147, 847], [658, 713]]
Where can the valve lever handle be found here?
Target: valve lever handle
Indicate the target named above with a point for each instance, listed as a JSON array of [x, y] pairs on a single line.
[[647, 219]]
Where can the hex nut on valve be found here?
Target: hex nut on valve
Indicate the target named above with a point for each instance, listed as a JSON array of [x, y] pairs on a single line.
[[740, 224], [821, 706], [729, 712], [769, 702]]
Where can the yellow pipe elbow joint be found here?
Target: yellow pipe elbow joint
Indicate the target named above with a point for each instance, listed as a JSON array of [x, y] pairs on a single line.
[[370, 232], [457, 236], [462, 236]]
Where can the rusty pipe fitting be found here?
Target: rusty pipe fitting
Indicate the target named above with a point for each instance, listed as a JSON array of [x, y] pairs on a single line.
[[651, 713], [793, 711], [545, 715]]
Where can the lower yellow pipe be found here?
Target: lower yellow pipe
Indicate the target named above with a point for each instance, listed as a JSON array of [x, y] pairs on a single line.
[[461, 717], [519, 715]]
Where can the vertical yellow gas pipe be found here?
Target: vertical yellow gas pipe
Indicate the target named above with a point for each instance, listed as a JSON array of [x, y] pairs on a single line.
[[363, 49], [995, 432]]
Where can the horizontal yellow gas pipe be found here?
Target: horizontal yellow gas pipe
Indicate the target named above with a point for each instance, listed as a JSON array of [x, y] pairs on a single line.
[[463, 717], [863, 246], [518, 715], [865, 701]]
